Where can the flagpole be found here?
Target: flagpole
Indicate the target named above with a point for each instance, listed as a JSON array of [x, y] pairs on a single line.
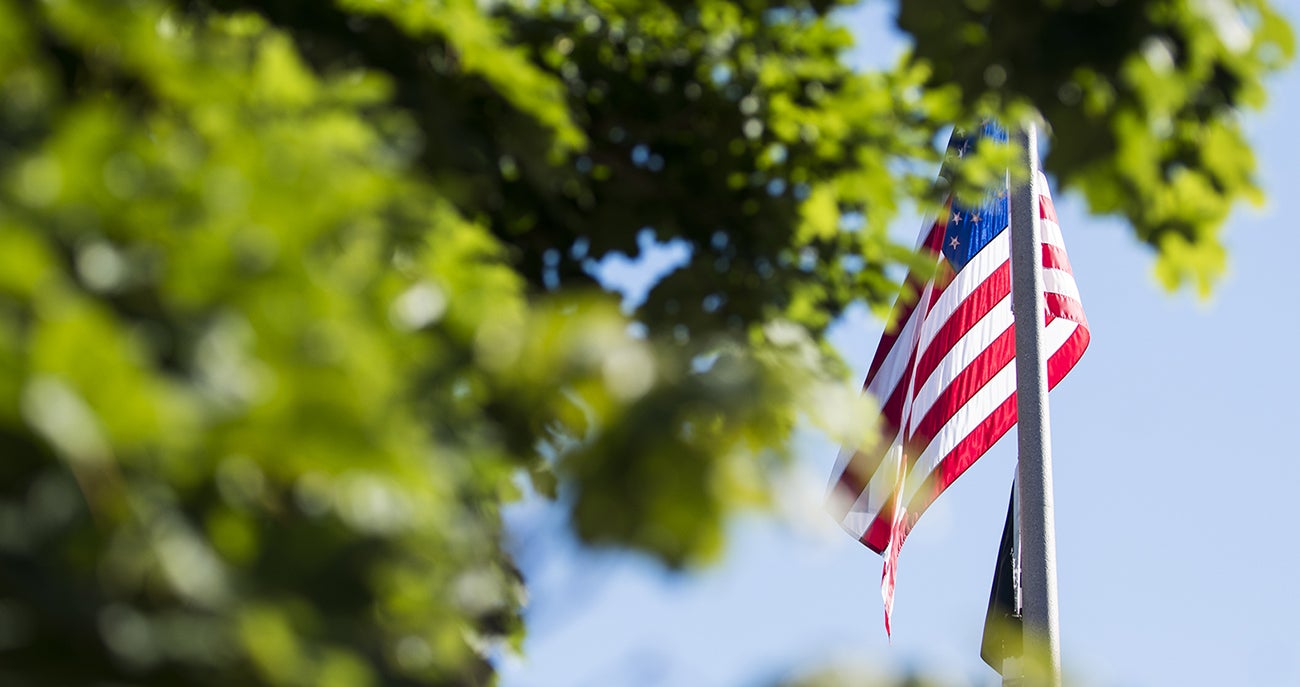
[[1037, 529]]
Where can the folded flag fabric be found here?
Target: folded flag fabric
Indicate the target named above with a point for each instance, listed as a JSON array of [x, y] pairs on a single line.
[[1003, 621], [944, 374]]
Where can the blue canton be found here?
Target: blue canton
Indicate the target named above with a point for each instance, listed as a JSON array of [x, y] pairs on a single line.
[[971, 227]]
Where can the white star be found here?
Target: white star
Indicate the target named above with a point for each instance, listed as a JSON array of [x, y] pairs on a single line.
[[975, 218], [954, 242], [956, 218]]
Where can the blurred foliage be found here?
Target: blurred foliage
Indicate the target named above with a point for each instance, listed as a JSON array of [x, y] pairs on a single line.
[[296, 295], [1143, 97], [858, 677]]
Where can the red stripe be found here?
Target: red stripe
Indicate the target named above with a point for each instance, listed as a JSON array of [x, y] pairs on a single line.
[[964, 385], [942, 280], [891, 414], [964, 455], [969, 381], [974, 307], [898, 317], [1064, 306], [857, 473], [882, 354], [860, 468], [1055, 257], [892, 408], [980, 440], [1046, 208], [1064, 359], [876, 537], [906, 303], [889, 340], [934, 240], [994, 427]]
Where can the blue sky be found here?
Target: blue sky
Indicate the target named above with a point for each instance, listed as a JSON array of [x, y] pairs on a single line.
[[1177, 498]]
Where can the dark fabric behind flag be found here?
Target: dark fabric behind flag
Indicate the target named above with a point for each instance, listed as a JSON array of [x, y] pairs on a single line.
[[1003, 631]]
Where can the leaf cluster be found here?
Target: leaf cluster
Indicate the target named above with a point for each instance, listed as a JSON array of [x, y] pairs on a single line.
[[1142, 101]]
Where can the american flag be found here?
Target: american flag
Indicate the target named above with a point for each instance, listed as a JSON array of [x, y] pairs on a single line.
[[945, 375]]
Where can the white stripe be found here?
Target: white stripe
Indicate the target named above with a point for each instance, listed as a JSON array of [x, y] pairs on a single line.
[[974, 342], [1051, 232], [895, 363], [879, 487], [965, 420], [892, 368], [985, 263], [841, 464], [1056, 333], [926, 225], [981, 405], [856, 523], [1060, 281]]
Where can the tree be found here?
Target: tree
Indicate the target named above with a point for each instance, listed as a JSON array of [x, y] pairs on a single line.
[[296, 295]]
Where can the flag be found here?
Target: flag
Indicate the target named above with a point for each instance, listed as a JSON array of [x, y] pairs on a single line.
[[1003, 622], [944, 375]]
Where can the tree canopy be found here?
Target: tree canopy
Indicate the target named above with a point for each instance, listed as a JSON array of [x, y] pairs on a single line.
[[296, 296]]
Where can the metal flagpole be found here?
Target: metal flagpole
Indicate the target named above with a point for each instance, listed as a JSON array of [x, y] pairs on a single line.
[[1042, 663]]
